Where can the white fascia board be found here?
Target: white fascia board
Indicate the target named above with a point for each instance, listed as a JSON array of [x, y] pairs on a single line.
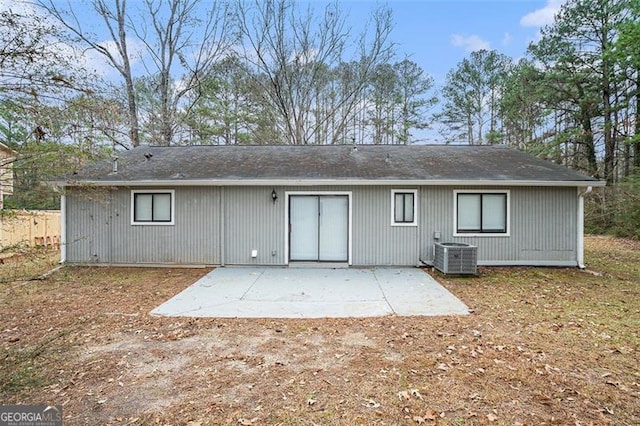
[[332, 182]]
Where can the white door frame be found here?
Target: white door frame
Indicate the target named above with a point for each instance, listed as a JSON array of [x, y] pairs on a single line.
[[287, 194]]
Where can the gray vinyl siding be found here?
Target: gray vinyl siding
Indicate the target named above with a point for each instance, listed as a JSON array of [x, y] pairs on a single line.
[[99, 229], [222, 225], [252, 221], [88, 220], [375, 241], [543, 226]]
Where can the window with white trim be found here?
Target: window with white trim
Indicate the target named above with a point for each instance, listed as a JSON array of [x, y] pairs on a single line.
[[404, 207], [482, 212], [152, 207]]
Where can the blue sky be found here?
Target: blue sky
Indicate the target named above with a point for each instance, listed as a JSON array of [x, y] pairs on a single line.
[[437, 34]]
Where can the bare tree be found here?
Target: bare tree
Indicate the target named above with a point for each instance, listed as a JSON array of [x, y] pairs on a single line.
[[114, 16], [39, 73], [289, 51], [177, 35], [178, 38]]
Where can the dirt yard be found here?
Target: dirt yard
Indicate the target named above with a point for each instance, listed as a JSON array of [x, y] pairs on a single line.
[[542, 346]]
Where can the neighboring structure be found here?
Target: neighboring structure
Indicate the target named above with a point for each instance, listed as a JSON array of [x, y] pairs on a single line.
[[7, 157], [357, 205], [29, 228]]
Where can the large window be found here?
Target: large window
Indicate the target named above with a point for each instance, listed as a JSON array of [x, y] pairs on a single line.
[[152, 207], [482, 213], [404, 207]]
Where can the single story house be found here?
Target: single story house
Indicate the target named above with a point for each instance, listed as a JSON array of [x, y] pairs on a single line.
[[360, 205]]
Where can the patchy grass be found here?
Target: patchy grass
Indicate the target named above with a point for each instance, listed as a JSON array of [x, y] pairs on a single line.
[[27, 265], [543, 346]]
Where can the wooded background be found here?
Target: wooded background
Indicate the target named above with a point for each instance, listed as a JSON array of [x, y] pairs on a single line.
[[273, 72]]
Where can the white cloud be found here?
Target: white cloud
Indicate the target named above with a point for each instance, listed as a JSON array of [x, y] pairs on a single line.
[[506, 39], [543, 16], [135, 49], [96, 62], [470, 43]]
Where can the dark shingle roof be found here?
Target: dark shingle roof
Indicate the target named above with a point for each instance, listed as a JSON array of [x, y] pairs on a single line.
[[363, 163]]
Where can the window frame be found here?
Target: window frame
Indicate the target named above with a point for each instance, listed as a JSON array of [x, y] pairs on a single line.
[[479, 233], [172, 194], [415, 207]]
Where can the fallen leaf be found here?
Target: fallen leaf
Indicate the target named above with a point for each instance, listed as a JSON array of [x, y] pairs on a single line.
[[431, 415], [607, 410], [624, 350], [370, 403]]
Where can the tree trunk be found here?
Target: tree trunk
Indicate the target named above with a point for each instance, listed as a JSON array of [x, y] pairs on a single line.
[[587, 141], [636, 143], [134, 126], [609, 140]]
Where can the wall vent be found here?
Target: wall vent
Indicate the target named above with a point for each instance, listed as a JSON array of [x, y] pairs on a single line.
[[456, 258]]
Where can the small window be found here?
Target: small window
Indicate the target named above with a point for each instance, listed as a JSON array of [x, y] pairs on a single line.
[[152, 207], [404, 209], [482, 212]]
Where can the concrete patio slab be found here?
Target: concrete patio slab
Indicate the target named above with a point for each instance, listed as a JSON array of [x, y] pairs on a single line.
[[248, 292]]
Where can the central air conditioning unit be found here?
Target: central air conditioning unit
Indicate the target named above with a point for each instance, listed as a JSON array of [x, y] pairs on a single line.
[[456, 258]]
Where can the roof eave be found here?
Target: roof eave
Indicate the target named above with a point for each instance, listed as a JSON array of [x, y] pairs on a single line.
[[331, 182]]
